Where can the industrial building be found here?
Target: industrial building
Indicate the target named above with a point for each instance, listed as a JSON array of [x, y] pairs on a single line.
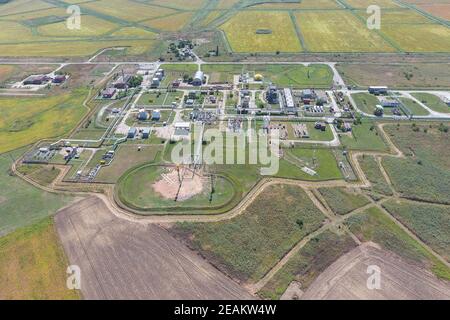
[[198, 79], [122, 82], [143, 115], [390, 103], [132, 133], [146, 133], [59, 79], [155, 83], [156, 115], [288, 101], [272, 95], [378, 90], [108, 93], [36, 80]]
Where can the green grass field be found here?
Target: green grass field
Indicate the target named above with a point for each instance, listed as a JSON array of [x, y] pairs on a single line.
[[432, 101], [414, 107], [26, 120], [429, 222], [33, 265], [374, 175], [247, 246], [364, 137], [424, 173], [20, 203], [307, 264], [322, 161], [342, 201], [402, 76]]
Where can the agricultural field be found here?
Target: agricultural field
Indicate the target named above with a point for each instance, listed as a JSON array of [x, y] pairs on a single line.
[[423, 174], [373, 174], [343, 201], [247, 246], [429, 222], [33, 265], [261, 31], [401, 76], [342, 30], [308, 263], [374, 225]]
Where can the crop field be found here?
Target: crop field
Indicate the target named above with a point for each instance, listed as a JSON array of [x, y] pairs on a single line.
[[170, 23], [440, 10], [420, 37], [419, 180], [307, 264], [432, 101], [342, 30], [374, 225], [429, 222], [135, 11], [247, 246], [417, 75], [364, 136], [342, 201], [277, 32], [363, 4], [33, 265], [91, 26], [428, 144], [373, 173], [424, 173], [304, 4]]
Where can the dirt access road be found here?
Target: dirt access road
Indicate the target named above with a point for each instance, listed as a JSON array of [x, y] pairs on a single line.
[[124, 260]]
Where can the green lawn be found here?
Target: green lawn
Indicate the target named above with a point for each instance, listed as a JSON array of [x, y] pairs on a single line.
[[364, 136], [414, 107], [366, 102], [432, 101], [322, 161], [249, 245]]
